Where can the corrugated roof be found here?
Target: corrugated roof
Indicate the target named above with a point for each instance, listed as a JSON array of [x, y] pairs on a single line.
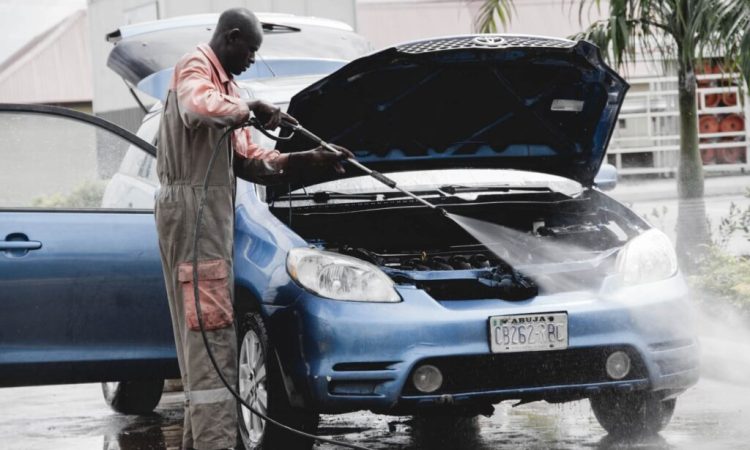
[[54, 67]]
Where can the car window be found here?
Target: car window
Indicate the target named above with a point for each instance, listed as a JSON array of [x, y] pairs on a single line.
[[134, 184], [56, 162]]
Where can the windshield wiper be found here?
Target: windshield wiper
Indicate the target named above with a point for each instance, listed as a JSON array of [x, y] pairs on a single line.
[[325, 196], [452, 189]]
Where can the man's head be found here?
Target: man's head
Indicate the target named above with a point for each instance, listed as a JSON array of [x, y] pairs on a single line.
[[237, 37]]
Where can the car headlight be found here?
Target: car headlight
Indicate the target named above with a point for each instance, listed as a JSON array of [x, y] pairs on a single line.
[[647, 258], [340, 277]]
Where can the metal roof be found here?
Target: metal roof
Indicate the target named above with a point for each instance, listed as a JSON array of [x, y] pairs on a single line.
[[54, 67]]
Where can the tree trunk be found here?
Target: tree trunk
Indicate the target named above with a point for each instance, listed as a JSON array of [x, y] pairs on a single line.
[[692, 227]]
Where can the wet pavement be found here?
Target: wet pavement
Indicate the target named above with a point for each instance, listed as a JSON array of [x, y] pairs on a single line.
[[713, 415]]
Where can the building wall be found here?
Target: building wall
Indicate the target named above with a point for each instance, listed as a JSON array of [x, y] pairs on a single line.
[[388, 22], [62, 50]]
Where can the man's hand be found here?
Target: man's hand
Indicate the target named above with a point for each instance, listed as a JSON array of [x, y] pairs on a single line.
[[269, 114], [320, 157]]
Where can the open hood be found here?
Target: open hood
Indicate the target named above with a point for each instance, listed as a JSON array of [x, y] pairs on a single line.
[[485, 101]]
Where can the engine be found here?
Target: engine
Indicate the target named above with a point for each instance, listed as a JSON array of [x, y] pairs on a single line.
[[527, 247]]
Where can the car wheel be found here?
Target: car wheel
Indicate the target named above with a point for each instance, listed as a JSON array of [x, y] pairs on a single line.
[[631, 414], [260, 385], [133, 397]]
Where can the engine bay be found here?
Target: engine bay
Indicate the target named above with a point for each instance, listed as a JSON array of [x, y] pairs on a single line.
[[531, 246]]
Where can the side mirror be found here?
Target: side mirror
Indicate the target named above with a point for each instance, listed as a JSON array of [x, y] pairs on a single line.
[[606, 178]]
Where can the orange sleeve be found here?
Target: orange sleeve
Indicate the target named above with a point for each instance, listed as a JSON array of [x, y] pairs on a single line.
[[201, 102], [243, 145]]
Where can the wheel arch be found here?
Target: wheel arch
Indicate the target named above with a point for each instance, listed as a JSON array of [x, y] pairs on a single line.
[[247, 302]]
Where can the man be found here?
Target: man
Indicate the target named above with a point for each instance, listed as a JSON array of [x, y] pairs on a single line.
[[202, 102]]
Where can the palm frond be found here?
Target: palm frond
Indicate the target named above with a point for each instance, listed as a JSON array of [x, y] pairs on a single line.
[[491, 12], [729, 35]]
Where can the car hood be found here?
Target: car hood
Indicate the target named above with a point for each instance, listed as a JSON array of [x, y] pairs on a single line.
[[484, 101]]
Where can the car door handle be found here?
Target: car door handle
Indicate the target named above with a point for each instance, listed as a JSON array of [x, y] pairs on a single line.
[[20, 245]]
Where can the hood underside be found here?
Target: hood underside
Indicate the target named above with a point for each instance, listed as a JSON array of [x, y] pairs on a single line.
[[540, 104]]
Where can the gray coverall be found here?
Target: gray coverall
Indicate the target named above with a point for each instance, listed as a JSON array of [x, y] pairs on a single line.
[[202, 101]]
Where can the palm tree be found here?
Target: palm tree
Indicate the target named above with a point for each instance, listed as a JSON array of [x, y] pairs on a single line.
[[678, 32]]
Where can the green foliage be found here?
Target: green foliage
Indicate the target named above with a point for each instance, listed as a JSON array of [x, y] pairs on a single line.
[[491, 9], [88, 194], [681, 30], [723, 278], [738, 221]]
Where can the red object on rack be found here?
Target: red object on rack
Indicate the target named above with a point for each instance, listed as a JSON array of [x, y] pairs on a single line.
[[712, 100], [731, 155], [708, 156], [704, 69], [729, 98], [732, 123], [708, 124]]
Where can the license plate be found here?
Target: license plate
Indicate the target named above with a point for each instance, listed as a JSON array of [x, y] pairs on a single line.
[[529, 332]]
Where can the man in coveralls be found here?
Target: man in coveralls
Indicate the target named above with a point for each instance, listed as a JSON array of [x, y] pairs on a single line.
[[202, 101]]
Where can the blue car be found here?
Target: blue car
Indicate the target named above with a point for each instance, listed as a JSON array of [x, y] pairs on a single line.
[[352, 296]]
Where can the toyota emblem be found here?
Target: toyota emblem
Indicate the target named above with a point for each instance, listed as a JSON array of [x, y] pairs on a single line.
[[489, 41]]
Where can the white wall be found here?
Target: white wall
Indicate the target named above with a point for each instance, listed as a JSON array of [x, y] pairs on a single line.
[[388, 22]]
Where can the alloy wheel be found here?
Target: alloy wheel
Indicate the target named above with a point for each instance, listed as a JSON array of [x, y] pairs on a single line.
[[252, 384]]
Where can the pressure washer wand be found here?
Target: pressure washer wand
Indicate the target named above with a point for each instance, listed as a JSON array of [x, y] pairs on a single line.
[[297, 128]]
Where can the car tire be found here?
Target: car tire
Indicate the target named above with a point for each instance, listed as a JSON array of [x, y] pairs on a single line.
[[260, 379], [632, 414], [133, 397]]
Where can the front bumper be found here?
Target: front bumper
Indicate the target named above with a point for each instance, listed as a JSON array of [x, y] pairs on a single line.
[[347, 356]]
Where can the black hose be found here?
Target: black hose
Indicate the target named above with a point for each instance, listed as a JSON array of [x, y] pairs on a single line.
[[196, 238]]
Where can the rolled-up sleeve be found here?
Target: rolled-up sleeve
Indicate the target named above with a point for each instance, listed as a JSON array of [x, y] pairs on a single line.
[[258, 164], [244, 146], [201, 103]]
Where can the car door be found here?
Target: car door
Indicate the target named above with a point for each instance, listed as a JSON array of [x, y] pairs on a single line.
[[81, 287]]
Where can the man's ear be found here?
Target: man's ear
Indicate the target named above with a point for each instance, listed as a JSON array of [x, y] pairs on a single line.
[[233, 35]]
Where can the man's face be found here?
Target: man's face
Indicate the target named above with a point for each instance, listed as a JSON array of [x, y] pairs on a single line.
[[242, 48]]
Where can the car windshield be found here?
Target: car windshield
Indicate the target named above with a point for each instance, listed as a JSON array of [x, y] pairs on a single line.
[[456, 180]]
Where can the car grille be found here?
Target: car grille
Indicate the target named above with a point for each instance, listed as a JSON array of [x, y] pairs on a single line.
[[483, 42], [527, 370]]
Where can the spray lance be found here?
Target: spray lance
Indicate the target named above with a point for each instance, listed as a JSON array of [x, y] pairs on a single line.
[[295, 128]]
